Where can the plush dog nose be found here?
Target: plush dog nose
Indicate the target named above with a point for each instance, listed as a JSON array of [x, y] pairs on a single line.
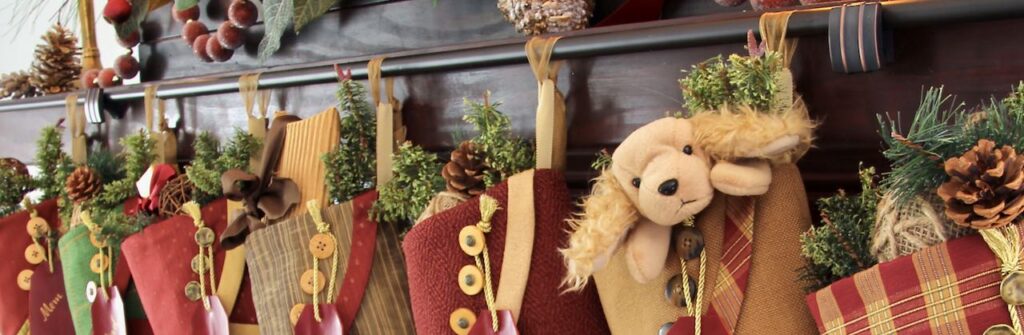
[[669, 187]]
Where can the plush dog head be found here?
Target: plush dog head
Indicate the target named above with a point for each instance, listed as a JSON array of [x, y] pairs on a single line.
[[659, 177]]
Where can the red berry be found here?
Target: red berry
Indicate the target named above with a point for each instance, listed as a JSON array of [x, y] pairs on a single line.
[[193, 29], [242, 13], [117, 11], [108, 78], [230, 36], [126, 66], [815, 2], [184, 15], [199, 47], [130, 41], [771, 4], [729, 3], [89, 78], [218, 52]]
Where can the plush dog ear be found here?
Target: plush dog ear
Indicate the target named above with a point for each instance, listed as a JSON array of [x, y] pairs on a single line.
[[747, 177], [608, 213]]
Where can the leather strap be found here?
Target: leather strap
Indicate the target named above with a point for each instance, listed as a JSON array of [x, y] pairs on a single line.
[[550, 126], [248, 85], [76, 126], [360, 260], [515, 269], [385, 122]]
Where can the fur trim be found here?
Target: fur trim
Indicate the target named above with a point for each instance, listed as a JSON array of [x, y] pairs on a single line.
[[607, 215], [732, 133]]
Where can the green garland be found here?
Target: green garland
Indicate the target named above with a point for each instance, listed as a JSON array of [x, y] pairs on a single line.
[[138, 152], [417, 179], [749, 81], [211, 161], [54, 164], [505, 154], [351, 168]]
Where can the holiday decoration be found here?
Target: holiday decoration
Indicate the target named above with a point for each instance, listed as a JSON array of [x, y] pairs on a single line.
[[350, 167], [54, 165], [192, 30], [536, 17], [82, 184], [416, 181], [56, 66], [210, 161], [466, 171], [986, 186], [505, 155], [17, 182], [242, 13], [230, 35], [199, 46], [772, 4], [17, 85], [89, 78], [138, 153], [117, 11], [174, 194], [126, 66], [904, 228], [20, 229], [108, 78]]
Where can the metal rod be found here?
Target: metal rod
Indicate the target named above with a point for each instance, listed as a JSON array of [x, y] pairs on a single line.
[[641, 37]]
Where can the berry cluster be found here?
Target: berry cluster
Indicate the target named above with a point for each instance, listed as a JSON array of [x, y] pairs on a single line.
[[230, 35], [125, 66]]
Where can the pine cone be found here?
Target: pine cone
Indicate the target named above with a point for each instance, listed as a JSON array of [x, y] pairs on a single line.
[[57, 65], [536, 17], [17, 85], [175, 193], [985, 188], [465, 172], [82, 184]]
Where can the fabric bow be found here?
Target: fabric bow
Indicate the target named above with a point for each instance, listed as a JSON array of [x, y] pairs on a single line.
[[158, 175], [264, 196]]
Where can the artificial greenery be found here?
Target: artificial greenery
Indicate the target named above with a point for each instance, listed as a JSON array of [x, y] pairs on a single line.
[[54, 164], [351, 168], [748, 81], [15, 185], [603, 160], [840, 247], [417, 178], [505, 154], [211, 160], [1015, 102], [942, 129], [137, 153]]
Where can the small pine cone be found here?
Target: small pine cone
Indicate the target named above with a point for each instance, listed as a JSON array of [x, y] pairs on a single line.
[[986, 186], [17, 85], [465, 172], [175, 193], [82, 184]]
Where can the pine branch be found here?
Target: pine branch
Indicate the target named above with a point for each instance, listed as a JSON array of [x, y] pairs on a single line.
[[54, 164], [137, 153], [505, 154], [417, 179], [351, 168]]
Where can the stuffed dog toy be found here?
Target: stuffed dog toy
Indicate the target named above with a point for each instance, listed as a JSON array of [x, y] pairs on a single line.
[[660, 177]]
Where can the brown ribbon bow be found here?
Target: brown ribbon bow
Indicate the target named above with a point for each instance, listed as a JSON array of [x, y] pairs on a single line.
[[264, 196]]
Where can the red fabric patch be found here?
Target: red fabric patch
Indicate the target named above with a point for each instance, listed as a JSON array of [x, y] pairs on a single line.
[[360, 259], [210, 322], [710, 324], [484, 326], [330, 322], [108, 313], [48, 302]]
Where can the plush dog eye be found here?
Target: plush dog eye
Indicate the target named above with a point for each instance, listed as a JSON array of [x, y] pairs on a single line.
[[688, 150], [636, 182]]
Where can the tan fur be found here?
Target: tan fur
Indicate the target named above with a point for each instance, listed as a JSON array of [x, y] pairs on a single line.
[[737, 132], [607, 215]]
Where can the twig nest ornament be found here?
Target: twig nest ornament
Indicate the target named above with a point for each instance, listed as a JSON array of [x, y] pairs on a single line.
[[986, 186], [82, 184], [14, 164], [903, 229], [536, 17], [175, 193]]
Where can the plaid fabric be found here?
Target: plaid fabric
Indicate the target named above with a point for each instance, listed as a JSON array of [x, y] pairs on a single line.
[[951, 288], [734, 265]]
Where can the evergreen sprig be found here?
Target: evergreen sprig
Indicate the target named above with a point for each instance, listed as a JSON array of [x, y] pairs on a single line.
[[138, 151], [417, 178], [54, 164], [1015, 101], [747, 81], [504, 153], [840, 247], [351, 168], [15, 185], [211, 160]]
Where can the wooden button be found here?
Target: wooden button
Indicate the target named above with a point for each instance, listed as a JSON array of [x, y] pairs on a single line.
[[99, 263], [1012, 288], [193, 291], [674, 290], [471, 280], [1001, 329], [91, 291], [296, 313], [689, 242], [205, 236], [322, 246], [306, 281], [665, 328], [201, 264], [25, 279], [97, 242], [35, 254], [471, 240], [461, 321], [37, 227]]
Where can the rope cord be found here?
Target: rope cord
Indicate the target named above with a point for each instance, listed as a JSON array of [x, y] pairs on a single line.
[[694, 308], [322, 227], [488, 206], [1005, 243], [205, 252]]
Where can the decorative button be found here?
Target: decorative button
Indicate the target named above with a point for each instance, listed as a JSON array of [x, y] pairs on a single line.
[[1012, 288], [205, 236], [471, 280], [37, 227], [689, 242], [201, 264], [674, 290], [25, 279], [321, 246], [296, 313], [99, 263], [665, 328], [306, 281], [193, 291], [35, 254], [471, 240], [1001, 329], [97, 241], [461, 321], [90, 291]]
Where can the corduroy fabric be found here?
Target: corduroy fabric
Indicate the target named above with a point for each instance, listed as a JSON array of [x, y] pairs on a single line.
[[160, 258], [433, 258], [278, 255], [773, 296], [950, 288], [305, 144], [14, 300]]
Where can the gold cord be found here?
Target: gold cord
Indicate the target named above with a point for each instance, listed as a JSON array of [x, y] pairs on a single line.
[[488, 206], [205, 252], [1006, 245], [694, 308], [322, 227]]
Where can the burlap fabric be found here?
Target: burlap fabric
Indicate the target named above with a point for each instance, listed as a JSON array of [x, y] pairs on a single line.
[[903, 229]]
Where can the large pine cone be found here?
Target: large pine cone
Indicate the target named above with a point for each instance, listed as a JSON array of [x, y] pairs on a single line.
[[536, 17], [57, 66], [175, 193], [985, 188], [82, 184], [465, 172]]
